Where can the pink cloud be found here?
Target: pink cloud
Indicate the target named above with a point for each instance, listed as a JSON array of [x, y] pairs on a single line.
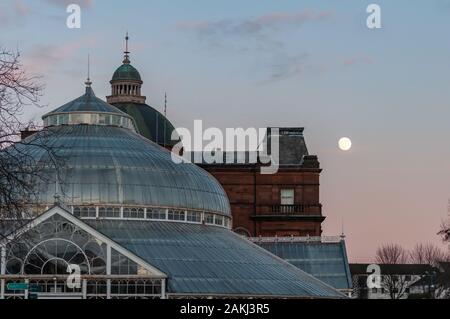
[[12, 12], [42, 58], [300, 17], [253, 26]]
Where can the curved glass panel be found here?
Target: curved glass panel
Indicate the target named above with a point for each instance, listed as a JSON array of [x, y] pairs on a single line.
[[88, 118], [50, 247], [109, 166]]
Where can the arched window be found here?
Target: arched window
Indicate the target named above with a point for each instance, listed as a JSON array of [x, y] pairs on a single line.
[[50, 247], [53, 256], [242, 231]]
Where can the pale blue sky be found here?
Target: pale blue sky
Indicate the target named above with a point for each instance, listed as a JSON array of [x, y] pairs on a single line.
[[257, 63]]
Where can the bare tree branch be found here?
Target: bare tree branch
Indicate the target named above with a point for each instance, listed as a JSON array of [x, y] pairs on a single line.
[[427, 254], [395, 284], [20, 172]]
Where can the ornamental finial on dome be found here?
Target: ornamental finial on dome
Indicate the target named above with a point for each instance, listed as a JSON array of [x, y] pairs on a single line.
[[126, 59]]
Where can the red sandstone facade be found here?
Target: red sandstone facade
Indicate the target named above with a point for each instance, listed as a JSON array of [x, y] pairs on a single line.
[[283, 204]]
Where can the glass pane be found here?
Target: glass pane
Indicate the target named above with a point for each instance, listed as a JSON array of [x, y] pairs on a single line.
[[287, 197], [53, 245], [121, 265]]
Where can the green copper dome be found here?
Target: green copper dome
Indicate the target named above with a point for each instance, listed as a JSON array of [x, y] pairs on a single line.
[[151, 124], [126, 72]]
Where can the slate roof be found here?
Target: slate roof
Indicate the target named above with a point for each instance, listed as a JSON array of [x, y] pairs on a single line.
[[291, 147]]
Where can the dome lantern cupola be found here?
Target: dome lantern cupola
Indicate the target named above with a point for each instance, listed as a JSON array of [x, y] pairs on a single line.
[[126, 82], [89, 109], [150, 123]]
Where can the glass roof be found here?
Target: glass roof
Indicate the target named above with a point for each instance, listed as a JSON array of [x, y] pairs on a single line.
[[88, 102], [88, 109], [212, 261], [325, 261], [108, 165]]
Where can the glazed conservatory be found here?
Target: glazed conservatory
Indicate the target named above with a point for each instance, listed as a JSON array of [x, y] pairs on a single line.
[[119, 219]]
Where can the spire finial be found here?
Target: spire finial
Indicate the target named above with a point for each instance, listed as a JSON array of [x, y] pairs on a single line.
[[126, 59], [88, 81], [165, 115], [165, 104], [342, 229]]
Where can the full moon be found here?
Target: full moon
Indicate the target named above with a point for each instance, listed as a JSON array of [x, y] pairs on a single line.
[[345, 144]]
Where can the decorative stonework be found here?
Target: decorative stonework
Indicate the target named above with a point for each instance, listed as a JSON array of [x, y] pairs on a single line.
[[112, 99]]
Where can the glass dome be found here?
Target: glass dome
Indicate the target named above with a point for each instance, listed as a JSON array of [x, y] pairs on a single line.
[[108, 170], [88, 109]]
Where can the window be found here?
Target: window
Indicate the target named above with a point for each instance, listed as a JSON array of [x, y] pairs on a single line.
[[218, 220], [209, 218], [242, 231], [94, 118], [374, 290], [40, 253], [127, 213], [88, 212], [85, 212], [175, 214], [287, 196], [63, 119], [133, 213], [122, 265], [156, 213], [102, 119], [194, 217], [77, 211], [53, 120], [76, 118], [113, 212], [125, 122], [116, 120]]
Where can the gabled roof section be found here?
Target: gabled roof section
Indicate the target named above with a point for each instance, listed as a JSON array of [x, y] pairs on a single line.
[[58, 210]]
